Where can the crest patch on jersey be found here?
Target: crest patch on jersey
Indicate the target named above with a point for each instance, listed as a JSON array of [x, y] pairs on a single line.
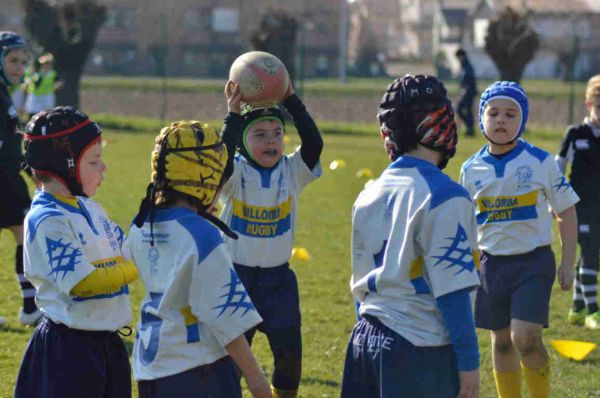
[[236, 297], [458, 254]]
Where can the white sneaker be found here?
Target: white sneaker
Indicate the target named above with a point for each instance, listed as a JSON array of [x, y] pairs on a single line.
[[30, 319], [3, 322]]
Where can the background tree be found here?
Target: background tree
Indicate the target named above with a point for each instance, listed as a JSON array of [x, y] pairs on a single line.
[[276, 34], [511, 43], [68, 31]]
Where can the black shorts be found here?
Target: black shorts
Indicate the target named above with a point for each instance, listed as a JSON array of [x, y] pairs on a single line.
[[515, 287], [14, 199], [61, 362]]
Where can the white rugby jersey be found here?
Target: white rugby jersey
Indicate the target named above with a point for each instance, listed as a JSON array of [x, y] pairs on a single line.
[[413, 240], [64, 244], [260, 205], [512, 195], [194, 304]]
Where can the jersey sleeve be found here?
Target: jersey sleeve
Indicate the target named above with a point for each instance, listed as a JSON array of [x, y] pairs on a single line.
[[218, 297], [300, 172], [462, 180], [449, 241], [565, 150], [55, 255], [559, 193]]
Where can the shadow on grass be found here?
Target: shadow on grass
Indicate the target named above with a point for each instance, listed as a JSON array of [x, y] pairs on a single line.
[[16, 329], [317, 381]]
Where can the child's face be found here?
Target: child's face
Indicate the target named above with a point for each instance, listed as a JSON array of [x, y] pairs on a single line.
[[14, 65], [265, 142], [501, 120], [92, 169], [593, 108], [46, 67]]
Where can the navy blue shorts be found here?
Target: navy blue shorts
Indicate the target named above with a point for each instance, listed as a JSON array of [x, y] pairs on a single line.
[[60, 362], [274, 292], [382, 364], [515, 287], [218, 379], [14, 201]]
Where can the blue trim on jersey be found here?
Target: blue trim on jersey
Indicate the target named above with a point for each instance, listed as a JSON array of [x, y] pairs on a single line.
[[36, 216], [458, 316], [420, 285], [441, 186], [378, 262], [47, 201], [515, 214], [205, 235], [124, 290], [152, 322], [193, 333], [265, 173], [500, 164], [261, 229], [536, 152]]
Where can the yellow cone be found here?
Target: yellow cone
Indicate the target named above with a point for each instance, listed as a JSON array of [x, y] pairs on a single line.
[[572, 349], [371, 181], [300, 253], [365, 172], [337, 164]]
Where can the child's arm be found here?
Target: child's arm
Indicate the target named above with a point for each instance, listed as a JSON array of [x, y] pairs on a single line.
[[106, 280], [567, 226], [565, 151], [239, 350], [458, 316], [232, 127], [312, 143]]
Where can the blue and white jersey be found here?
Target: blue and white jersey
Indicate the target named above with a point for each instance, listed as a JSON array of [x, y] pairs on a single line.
[[413, 240], [512, 195], [64, 243], [260, 205], [194, 304]]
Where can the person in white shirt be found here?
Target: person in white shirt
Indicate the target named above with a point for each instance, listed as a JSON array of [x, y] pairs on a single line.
[[513, 183], [196, 309], [414, 259], [77, 260]]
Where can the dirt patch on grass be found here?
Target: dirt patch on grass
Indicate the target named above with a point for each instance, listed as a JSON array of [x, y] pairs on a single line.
[[209, 106]]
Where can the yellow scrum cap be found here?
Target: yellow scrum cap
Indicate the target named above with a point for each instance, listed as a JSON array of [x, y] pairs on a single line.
[[190, 158]]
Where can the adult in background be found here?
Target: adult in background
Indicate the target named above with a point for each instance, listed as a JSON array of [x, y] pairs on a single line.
[[468, 90]]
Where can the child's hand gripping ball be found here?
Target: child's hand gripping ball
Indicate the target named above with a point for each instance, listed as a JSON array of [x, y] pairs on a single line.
[[262, 77]]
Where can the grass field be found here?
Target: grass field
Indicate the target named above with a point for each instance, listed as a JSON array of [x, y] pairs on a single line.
[[324, 229]]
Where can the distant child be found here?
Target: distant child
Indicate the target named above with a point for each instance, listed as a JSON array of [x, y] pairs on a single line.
[[512, 184], [260, 205], [414, 259], [196, 310], [14, 200], [581, 148], [77, 259], [41, 86]]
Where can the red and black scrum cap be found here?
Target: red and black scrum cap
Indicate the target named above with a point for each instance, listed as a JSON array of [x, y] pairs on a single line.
[[55, 141]]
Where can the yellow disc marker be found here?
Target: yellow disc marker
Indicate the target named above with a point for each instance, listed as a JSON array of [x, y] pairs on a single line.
[[364, 173], [572, 349], [371, 181], [300, 253], [337, 164]]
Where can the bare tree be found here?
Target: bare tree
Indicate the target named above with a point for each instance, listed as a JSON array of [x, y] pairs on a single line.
[[276, 34], [69, 31], [511, 43]]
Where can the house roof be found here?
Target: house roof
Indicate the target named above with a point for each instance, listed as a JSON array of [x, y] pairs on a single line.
[[555, 6], [454, 17]]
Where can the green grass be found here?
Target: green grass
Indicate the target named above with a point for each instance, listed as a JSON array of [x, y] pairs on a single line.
[[324, 229], [315, 87]]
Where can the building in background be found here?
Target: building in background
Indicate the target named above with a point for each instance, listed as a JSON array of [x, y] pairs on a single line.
[[201, 37], [561, 25]]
